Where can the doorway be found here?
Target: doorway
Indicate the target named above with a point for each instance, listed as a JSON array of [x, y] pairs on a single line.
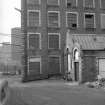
[[76, 71]]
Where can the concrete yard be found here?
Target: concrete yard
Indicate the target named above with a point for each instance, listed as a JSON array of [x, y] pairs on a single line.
[[54, 92]]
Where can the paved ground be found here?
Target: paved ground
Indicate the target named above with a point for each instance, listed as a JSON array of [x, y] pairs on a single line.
[[53, 92]]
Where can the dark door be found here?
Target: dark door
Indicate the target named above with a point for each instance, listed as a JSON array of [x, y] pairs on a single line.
[[76, 71]]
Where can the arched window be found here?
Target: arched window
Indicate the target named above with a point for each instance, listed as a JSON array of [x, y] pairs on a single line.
[[76, 54]]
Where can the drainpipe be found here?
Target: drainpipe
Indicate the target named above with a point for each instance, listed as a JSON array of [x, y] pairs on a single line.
[[24, 33]]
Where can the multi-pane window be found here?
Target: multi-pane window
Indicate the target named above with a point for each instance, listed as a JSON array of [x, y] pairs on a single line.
[[54, 40], [103, 21], [72, 20], [54, 65], [34, 41], [53, 19], [102, 4], [89, 20], [71, 3], [33, 18], [89, 3], [34, 66], [33, 2], [53, 2]]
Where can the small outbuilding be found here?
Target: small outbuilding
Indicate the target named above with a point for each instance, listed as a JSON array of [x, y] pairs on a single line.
[[85, 56]]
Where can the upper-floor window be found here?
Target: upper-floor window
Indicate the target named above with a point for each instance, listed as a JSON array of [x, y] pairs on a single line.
[[71, 3], [89, 3], [53, 19], [102, 21], [72, 20], [33, 2], [102, 4], [53, 2], [33, 18], [89, 20], [34, 41], [53, 40]]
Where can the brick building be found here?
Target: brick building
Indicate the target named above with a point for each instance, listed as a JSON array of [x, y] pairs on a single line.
[[45, 24], [17, 45]]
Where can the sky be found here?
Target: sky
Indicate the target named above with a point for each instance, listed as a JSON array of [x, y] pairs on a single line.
[[9, 17]]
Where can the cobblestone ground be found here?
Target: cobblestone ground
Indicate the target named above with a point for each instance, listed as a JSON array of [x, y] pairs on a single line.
[[53, 92]]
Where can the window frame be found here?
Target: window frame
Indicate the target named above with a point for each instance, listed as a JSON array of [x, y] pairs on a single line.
[[59, 40], [59, 59], [28, 11], [101, 4], [84, 5], [58, 18], [37, 59], [76, 3], [40, 42], [54, 4], [102, 14], [38, 0], [77, 15], [94, 20]]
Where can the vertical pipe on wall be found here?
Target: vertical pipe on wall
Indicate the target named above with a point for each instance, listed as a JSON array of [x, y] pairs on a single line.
[[24, 33]]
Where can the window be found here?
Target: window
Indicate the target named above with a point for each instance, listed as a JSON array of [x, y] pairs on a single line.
[[34, 66], [89, 3], [71, 3], [33, 2], [102, 4], [76, 55], [54, 65], [54, 41], [103, 21], [72, 20], [33, 18], [34, 41], [53, 2], [89, 20], [53, 19]]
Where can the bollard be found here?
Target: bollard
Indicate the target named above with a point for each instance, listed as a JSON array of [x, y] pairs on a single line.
[[4, 91]]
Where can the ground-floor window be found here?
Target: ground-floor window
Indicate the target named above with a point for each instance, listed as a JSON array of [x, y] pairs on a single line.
[[102, 67], [54, 65], [34, 66]]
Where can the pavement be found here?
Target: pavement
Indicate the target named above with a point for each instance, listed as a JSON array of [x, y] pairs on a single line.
[[53, 92]]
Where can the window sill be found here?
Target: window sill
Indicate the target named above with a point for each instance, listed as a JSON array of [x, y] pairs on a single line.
[[89, 8], [56, 5], [72, 28], [90, 29], [72, 7], [56, 27], [34, 26]]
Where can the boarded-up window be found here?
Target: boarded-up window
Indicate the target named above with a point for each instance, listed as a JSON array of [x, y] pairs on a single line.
[[34, 41], [54, 41], [103, 21], [34, 66], [103, 4], [89, 21], [71, 3], [54, 65], [72, 20], [89, 3], [53, 19], [33, 18], [102, 68], [53, 2], [33, 2]]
